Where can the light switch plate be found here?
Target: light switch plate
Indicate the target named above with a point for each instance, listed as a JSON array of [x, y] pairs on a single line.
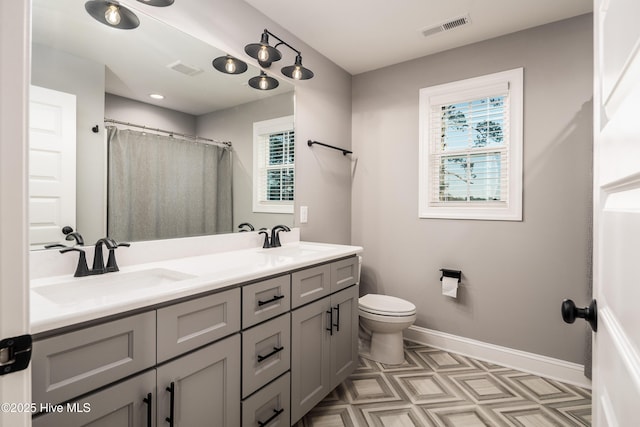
[[304, 214]]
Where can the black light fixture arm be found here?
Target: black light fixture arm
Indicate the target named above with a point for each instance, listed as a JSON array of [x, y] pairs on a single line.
[[282, 42]]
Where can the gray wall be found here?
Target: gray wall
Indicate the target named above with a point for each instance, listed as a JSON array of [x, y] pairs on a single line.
[[51, 68], [322, 107], [236, 125], [136, 112], [515, 274]]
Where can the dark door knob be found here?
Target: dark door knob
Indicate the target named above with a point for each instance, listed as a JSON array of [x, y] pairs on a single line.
[[570, 312]]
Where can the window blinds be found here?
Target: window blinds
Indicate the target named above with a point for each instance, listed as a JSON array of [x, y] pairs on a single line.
[[469, 146], [276, 171]]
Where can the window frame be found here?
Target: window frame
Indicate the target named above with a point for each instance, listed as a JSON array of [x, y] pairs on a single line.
[[466, 90], [260, 129]]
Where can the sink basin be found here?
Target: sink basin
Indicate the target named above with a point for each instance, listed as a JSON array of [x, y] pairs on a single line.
[[106, 286], [299, 250]]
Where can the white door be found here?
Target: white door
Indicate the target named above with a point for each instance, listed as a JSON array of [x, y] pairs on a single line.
[[15, 18], [52, 165], [616, 368]]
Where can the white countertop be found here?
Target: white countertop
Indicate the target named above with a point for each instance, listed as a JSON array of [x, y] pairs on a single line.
[[64, 300]]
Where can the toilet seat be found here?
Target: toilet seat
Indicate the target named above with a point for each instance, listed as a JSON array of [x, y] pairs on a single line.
[[386, 305]]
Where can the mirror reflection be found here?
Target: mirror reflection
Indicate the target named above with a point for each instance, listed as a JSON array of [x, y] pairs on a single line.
[[140, 174]]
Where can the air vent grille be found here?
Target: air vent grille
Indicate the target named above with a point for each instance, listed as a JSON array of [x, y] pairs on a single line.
[[446, 26], [183, 68]]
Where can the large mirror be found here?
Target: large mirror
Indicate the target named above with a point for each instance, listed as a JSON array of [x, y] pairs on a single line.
[[97, 73]]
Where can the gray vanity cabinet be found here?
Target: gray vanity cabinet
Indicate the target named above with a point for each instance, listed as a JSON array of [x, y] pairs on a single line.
[[324, 348], [121, 405], [78, 362], [205, 386]]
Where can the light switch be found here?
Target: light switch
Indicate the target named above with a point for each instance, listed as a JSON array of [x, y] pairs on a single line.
[[304, 214]]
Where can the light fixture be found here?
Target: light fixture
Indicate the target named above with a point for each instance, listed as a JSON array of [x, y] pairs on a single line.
[[157, 3], [112, 14], [229, 65], [266, 54], [297, 71], [263, 52], [263, 82], [156, 96]]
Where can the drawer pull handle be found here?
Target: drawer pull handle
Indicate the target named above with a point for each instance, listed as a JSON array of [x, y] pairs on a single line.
[[275, 350], [337, 324], [330, 328], [171, 389], [148, 400], [275, 298], [276, 412]]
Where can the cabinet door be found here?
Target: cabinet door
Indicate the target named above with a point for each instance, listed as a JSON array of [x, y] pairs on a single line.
[[310, 284], [310, 356], [192, 324], [121, 405], [71, 364], [344, 341], [206, 387]]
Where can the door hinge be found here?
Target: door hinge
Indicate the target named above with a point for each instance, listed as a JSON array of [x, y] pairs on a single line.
[[15, 354]]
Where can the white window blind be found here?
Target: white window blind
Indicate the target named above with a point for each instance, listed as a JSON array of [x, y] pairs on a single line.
[[274, 165], [470, 152]]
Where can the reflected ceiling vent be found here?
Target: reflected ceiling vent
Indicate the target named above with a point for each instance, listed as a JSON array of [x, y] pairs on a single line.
[[446, 26], [183, 68]]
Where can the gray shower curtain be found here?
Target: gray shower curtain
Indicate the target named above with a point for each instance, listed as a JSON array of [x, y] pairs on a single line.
[[161, 187]]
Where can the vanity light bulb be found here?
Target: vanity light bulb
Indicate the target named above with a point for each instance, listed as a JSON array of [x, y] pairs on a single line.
[[264, 84], [230, 66], [112, 14], [297, 73], [263, 54]]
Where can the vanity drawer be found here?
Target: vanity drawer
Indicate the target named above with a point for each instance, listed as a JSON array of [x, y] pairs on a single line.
[[344, 273], [270, 403], [68, 365], [263, 300], [266, 353], [192, 324], [310, 284]]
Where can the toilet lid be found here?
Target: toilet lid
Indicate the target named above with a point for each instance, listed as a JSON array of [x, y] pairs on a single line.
[[387, 305]]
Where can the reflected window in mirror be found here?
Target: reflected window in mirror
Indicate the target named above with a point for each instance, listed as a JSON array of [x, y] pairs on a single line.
[[274, 165]]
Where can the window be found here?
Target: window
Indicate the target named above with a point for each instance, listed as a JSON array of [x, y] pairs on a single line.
[[273, 165], [471, 148]]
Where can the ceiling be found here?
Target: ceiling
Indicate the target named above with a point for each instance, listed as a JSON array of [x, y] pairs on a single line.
[[364, 35], [139, 62]]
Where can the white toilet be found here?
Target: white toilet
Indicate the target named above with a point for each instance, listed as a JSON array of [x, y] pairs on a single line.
[[385, 317]]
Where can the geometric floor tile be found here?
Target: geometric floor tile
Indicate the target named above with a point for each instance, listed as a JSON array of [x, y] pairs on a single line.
[[439, 388]]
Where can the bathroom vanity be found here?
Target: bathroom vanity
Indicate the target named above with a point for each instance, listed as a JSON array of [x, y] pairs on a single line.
[[250, 337]]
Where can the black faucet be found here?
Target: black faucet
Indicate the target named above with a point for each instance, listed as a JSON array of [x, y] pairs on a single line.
[[72, 235], [267, 241], [246, 224], [275, 238], [112, 265], [98, 260], [82, 269]]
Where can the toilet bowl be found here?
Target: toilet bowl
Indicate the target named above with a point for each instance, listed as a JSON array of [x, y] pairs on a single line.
[[385, 318]]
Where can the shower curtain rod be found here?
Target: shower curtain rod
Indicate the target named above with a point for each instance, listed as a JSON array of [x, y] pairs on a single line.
[[195, 137]]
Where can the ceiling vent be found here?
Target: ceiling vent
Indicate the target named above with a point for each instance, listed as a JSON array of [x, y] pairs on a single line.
[[183, 68], [446, 26]]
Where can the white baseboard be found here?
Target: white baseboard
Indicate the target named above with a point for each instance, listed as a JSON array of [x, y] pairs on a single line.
[[556, 369]]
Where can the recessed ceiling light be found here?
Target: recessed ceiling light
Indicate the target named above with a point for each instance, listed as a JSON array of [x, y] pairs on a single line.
[[156, 96]]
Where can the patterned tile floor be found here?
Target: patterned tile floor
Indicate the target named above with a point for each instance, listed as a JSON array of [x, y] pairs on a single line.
[[438, 388]]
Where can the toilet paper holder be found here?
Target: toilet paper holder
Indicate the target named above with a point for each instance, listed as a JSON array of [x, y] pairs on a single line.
[[457, 274]]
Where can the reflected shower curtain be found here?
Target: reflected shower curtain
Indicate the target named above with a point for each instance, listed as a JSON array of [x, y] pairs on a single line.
[[160, 187]]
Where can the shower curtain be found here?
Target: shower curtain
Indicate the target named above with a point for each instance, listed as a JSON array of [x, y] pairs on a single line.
[[161, 187]]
